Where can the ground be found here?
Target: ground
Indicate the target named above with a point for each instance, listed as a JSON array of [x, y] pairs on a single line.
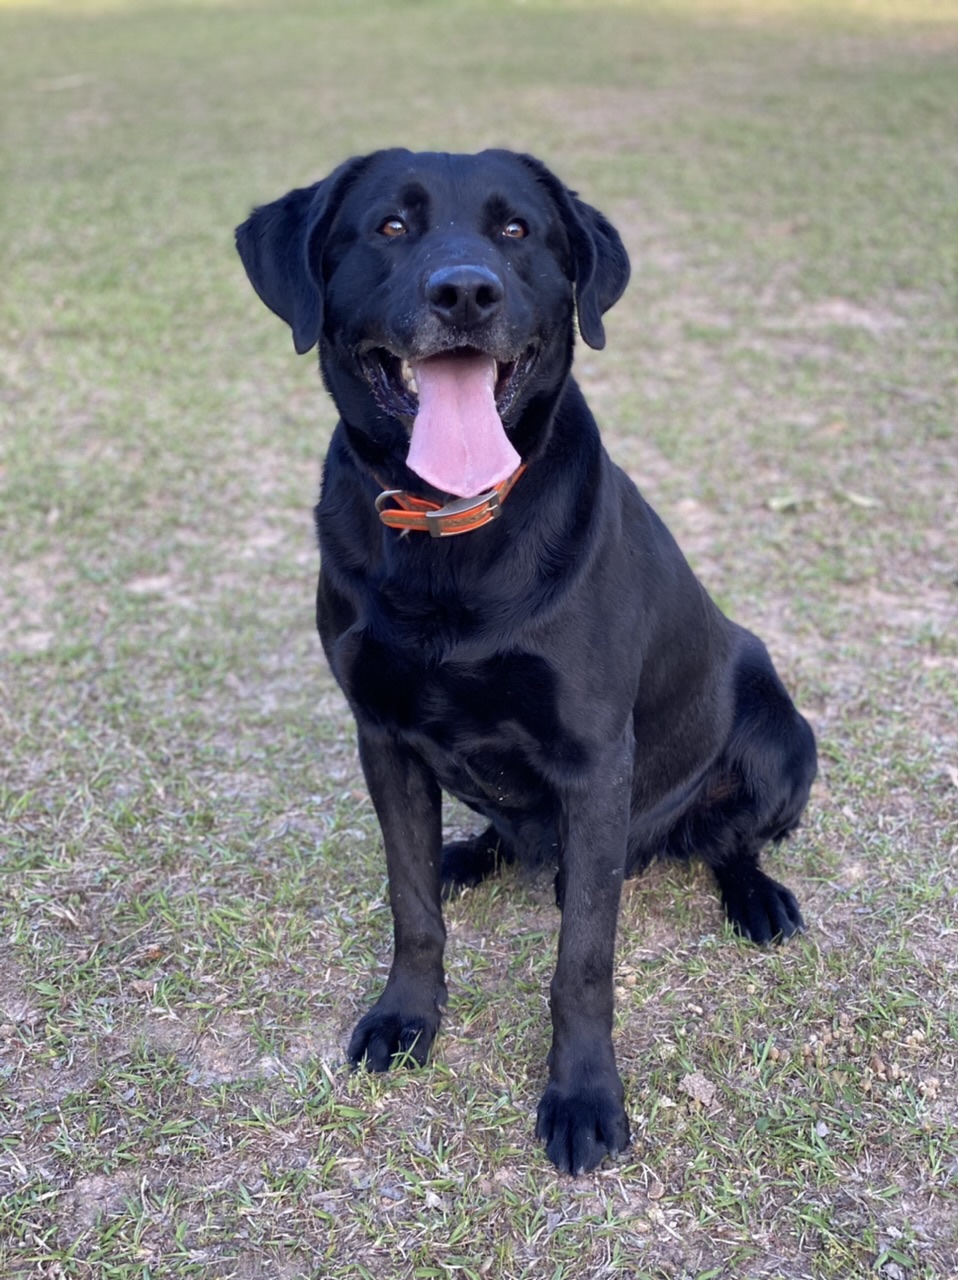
[[193, 906]]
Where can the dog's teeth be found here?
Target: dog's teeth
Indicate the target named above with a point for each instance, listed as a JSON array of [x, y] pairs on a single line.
[[408, 377]]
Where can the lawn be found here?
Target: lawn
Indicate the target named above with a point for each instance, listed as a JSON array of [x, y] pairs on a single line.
[[192, 888]]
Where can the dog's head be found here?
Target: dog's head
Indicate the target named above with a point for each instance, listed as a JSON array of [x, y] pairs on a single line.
[[441, 290]]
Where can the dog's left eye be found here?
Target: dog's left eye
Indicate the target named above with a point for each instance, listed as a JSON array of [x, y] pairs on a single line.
[[515, 229], [393, 227]]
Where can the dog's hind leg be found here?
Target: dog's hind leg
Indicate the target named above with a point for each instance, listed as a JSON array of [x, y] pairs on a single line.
[[466, 863], [757, 906], [727, 829], [756, 796]]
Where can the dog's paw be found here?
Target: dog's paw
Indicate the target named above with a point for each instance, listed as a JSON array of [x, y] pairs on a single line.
[[581, 1126], [466, 863], [760, 908], [384, 1037]]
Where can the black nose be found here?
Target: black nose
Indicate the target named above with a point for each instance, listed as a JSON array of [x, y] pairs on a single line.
[[464, 296]]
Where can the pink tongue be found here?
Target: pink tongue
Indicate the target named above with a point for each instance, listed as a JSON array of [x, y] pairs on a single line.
[[458, 443]]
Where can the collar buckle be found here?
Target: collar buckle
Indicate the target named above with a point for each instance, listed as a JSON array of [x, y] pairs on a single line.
[[463, 514]]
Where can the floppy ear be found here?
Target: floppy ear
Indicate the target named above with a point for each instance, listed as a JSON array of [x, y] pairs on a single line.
[[602, 269], [277, 243], [601, 262]]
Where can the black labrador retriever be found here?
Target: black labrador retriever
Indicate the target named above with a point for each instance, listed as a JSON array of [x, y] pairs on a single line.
[[510, 621]]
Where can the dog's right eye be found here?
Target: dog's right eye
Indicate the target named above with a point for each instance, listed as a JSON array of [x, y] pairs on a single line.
[[393, 227]]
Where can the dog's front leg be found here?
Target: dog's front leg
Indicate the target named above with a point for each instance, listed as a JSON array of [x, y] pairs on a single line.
[[405, 1018], [581, 1116]]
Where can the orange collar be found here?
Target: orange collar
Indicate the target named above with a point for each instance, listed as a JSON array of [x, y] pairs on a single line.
[[459, 516]]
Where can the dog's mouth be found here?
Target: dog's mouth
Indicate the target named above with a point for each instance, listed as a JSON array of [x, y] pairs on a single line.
[[394, 379], [457, 403]]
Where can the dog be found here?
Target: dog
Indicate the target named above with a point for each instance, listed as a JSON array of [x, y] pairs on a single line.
[[509, 620]]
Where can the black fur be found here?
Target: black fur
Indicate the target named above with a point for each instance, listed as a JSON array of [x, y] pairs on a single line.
[[561, 670]]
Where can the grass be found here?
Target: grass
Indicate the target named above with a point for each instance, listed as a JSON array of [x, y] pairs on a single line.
[[193, 896]]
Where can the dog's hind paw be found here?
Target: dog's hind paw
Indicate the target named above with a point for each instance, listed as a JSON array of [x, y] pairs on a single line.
[[758, 907], [466, 863]]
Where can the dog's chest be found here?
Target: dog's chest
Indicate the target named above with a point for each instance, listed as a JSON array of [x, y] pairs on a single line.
[[490, 727]]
